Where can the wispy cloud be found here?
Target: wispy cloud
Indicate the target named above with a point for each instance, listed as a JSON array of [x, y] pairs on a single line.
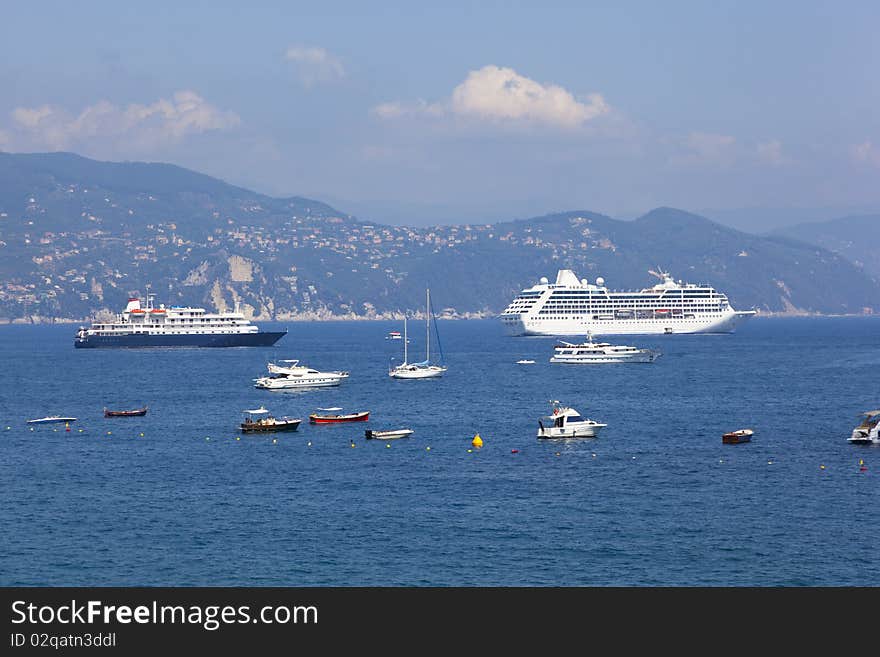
[[314, 65], [771, 153], [704, 148], [501, 95], [866, 153], [143, 126]]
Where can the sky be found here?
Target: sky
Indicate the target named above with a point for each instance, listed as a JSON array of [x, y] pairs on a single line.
[[419, 113]]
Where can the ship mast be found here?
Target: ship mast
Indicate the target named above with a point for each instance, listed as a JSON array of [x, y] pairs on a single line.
[[427, 325]]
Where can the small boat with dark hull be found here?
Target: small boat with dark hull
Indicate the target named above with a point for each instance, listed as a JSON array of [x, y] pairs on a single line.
[[137, 412], [332, 418], [738, 436], [259, 420]]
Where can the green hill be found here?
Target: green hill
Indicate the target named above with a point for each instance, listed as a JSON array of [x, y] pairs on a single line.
[[79, 236]]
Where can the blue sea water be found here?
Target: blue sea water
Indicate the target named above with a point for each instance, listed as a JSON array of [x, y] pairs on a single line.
[[655, 500]]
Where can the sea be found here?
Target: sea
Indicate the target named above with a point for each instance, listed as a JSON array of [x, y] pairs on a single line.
[[180, 497]]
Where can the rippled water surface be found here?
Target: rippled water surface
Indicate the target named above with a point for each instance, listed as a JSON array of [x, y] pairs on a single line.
[[655, 500]]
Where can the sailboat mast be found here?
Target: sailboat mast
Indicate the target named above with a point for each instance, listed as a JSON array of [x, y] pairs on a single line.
[[405, 340], [427, 324]]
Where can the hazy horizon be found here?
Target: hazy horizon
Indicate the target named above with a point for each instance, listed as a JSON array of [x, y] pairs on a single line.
[[467, 111]]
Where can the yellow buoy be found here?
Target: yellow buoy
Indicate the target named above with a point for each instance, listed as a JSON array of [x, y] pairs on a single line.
[[861, 461], [470, 450], [238, 437], [142, 435], [427, 449], [387, 444], [477, 441], [558, 454], [206, 438], [109, 432], [80, 430], [822, 467]]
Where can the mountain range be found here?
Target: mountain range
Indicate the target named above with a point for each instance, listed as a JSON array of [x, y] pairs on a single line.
[[856, 238], [78, 236]]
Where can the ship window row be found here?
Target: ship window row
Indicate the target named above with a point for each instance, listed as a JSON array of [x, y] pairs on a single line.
[[645, 306], [112, 333], [634, 295]]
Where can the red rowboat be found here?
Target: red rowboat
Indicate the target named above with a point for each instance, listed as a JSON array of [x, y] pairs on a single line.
[[363, 416]]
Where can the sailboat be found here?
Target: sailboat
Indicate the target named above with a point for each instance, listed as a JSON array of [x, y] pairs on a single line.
[[423, 370]]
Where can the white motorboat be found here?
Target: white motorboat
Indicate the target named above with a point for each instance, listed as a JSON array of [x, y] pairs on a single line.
[[293, 375], [388, 435], [591, 352], [868, 431], [423, 370], [525, 361], [566, 422], [51, 419]]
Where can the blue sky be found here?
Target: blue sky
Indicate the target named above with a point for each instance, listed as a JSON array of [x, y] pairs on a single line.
[[462, 111]]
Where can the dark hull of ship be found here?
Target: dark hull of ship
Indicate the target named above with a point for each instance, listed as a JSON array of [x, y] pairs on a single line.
[[263, 339]]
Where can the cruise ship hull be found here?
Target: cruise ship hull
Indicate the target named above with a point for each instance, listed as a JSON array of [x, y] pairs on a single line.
[[262, 339], [716, 323]]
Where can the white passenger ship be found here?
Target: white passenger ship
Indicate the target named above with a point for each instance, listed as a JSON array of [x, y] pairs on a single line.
[[575, 307], [174, 326]]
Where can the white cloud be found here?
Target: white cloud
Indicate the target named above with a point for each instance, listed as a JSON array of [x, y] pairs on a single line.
[[162, 122], [496, 93], [502, 95], [314, 64], [866, 153]]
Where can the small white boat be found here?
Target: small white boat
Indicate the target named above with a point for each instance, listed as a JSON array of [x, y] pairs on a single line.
[[50, 419], [423, 370], [868, 431], [565, 422], [591, 352], [394, 335], [525, 361], [293, 375], [388, 435]]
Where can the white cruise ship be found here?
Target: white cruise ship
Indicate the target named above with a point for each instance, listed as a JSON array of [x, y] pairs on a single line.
[[175, 326], [574, 307]]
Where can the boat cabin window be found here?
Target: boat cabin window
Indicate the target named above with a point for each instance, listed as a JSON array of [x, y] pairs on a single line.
[[574, 418]]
